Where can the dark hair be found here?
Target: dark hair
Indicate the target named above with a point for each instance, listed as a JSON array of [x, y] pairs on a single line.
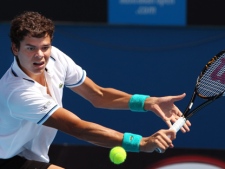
[[30, 23]]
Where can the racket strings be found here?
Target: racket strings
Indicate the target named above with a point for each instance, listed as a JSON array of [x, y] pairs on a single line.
[[212, 82]]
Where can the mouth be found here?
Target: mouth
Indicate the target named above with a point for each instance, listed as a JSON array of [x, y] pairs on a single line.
[[39, 64]]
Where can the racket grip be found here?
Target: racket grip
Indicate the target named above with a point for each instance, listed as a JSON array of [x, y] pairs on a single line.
[[178, 124], [176, 127]]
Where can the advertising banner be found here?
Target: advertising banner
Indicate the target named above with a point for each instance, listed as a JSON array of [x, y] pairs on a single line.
[[147, 12]]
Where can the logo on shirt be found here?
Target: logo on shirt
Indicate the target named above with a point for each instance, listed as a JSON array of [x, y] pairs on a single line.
[[46, 106], [60, 85]]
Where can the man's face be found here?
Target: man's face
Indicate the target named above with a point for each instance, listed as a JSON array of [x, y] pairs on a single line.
[[33, 54]]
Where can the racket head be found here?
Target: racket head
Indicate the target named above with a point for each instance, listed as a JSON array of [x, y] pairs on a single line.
[[211, 81]]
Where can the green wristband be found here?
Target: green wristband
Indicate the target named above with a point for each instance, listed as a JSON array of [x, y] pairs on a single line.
[[131, 142], [137, 102]]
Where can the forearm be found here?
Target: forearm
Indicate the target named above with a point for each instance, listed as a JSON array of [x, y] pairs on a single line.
[[100, 97], [105, 137], [98, 135], [110, 98], [71, 124]]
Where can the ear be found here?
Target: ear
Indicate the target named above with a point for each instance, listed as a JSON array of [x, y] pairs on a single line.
[[14, 49]]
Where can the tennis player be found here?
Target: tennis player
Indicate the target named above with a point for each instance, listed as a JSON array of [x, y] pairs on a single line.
[[31, 110]]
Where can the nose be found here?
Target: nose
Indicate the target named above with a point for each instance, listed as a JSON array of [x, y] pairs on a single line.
[[39, 54]]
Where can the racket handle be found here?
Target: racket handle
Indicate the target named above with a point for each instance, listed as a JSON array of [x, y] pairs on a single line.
[[178, 124], [176, 127]]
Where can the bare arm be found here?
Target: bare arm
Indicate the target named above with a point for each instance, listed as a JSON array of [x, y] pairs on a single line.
[[69, 123], [110, 98], [100, 97]]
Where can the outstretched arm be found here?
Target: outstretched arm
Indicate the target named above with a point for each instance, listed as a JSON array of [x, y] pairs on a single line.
[[110, 98], [71, 124]]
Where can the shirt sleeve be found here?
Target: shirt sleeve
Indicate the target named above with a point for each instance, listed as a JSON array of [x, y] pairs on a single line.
[[73, 73], [30, 104]]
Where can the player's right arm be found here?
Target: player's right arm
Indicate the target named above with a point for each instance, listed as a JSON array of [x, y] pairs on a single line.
[[71, 124]]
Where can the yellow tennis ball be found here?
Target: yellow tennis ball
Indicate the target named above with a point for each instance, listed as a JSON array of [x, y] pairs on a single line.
[[117, 155]]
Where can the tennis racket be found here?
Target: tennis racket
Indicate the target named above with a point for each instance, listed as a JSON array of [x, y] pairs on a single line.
[[209, 87]]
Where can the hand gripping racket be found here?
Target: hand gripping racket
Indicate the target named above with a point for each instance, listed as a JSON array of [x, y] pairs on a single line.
[[210, 86]]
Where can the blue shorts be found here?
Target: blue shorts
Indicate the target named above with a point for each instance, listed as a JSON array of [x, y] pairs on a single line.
[[18, 162]]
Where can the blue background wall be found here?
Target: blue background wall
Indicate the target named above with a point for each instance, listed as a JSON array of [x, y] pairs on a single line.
[[149, 60]]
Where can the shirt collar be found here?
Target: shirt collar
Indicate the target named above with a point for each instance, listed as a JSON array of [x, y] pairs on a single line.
[[18, 72]]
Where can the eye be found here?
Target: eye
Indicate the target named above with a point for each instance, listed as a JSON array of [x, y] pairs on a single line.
[[31, 48], [45, 48]]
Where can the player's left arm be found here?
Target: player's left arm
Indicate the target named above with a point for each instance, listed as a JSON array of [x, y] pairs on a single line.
[[100, 97], [110, 98]]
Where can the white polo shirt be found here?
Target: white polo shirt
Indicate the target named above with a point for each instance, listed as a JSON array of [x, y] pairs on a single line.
[[25, 106]]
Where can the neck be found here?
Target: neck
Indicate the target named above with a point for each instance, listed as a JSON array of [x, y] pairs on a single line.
[[41, 79]]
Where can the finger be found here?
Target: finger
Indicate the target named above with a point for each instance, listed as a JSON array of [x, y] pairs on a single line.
[[188, 123], [176, 111], [174, 118], [171, 134], [178, 97], [161, 144], [186, 127], [179, 113], [163, 139], [168, 123]]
